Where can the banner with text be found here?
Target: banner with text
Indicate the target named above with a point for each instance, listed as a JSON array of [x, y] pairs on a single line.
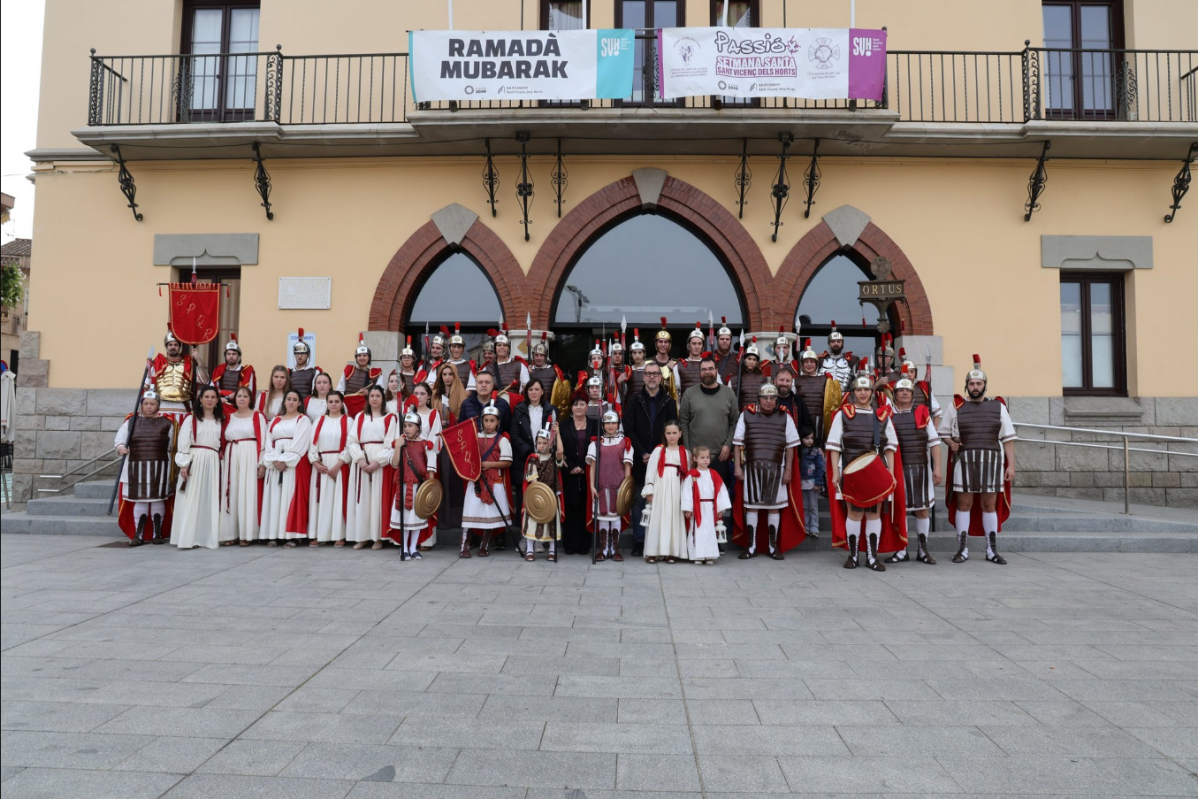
[[521, 65], [811, 63]]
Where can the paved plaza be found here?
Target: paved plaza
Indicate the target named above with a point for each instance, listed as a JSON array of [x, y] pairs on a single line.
[[258, 672]]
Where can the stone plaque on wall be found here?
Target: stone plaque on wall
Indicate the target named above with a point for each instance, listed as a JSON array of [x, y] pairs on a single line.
[[305, 293]]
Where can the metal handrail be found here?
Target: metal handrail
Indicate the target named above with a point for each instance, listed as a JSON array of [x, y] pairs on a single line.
[[1126, 449], [39, 490]]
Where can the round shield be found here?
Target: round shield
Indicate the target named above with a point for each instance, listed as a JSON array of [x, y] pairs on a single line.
[[624, 496], [540, 502], [428, 498]]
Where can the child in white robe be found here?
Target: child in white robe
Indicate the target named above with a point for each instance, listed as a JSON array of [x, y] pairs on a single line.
[[704, 501], [665, 535]]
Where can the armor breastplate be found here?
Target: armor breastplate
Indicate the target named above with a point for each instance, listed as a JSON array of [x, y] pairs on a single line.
[[417, 453], [408, 382], [547, 471], [726, 366], [548, 377], [464, 373], [751, 383], [913, 440], [173, 383], [920, 397], [858, 434], [765, 436], [611, 465], [230, 380], [810, 389], [302, 379], [357, 380], [636, 381], [505, 373], [688, 375], [151, 440], [839, 367], [979, 424]]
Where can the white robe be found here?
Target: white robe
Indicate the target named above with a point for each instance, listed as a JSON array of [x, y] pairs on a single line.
[[480, 515], [701, 539], [665, 536], [316, 409], [271, 409], [374, 443], [197, 506], [326, 516], [239, 489], [287, 441]]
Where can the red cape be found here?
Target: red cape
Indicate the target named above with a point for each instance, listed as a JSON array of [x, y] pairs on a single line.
[[396, 536], [791, 531], [975, 512], [894, 520], [129, 525]]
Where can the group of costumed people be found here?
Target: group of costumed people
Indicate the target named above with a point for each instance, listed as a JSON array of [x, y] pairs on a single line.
[[214, 460]]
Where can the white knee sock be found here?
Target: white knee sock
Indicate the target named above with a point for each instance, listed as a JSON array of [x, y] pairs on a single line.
[[963, 532], [552, 547], [411, 539], [141, 509], [989, 525], [873, 527], [852, 529], [612, 532]]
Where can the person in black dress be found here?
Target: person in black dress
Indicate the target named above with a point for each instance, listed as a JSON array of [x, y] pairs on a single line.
[[576, 433]]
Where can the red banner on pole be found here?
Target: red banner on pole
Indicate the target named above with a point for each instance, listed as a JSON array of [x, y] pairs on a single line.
[[195, 311], [461, 444]]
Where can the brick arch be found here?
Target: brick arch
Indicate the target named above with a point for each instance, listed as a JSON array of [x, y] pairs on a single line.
[[680, 201], [423, 252], [820, 243]]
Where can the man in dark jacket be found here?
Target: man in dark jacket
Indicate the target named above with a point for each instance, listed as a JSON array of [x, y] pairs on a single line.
[[472, 406], [645, 417]]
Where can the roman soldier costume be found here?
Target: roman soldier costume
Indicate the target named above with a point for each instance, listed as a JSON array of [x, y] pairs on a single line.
[[726, 361], [983, 427], [228, 379], [596, 408], [668, 383], [767, 442], [636, 371], [173, 380], [922, 391], [612, 453], [354, 379], [782, 352], [511, 373], [303, 376], [866, 433], [467, 369], [487, 507], [617, 368], [432, 360], [553, 380], [836, 362], [407, 370], [147, 477], [686, 371], [917, 436], [417, 463], [819, 392], [749, 381], [544, 468]]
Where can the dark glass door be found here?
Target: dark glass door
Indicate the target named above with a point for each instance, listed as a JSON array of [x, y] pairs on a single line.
[[1080, 68], [220, 78]]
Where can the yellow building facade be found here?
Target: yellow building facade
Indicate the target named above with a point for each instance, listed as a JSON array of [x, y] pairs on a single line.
[[373, 194]]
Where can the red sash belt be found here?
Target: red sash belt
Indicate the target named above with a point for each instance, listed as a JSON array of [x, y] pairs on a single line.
[[200, 446], [364, 443], [243, 440]]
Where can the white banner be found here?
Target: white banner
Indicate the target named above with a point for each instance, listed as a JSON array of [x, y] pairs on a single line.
[[521, 65], [812, 63]]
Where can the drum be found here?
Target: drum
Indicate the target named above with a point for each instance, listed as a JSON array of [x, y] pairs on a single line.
[[866, 481], [540, 503], [624, 496], [428, 498]]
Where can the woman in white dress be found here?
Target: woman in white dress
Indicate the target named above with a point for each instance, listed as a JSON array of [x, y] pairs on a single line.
[[665, 536], [329, 454], [487, 508], [704, 500], [285, 490], [270, 401], [197, 494], [242, 471], [371, 478], [318, 403]]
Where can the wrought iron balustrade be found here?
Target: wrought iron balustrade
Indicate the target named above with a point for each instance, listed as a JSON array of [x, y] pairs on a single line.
[[373, 88]]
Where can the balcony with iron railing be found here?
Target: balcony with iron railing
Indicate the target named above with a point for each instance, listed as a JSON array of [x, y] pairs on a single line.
[[1092, 103]]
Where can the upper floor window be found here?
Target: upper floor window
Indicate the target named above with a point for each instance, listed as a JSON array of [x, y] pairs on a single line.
[[1092, 342], [1080, 67], [564, 15], [644, 14], [741, 13], [220, 78]]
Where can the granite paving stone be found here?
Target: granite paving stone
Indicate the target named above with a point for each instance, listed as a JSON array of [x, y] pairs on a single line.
[[340, 674]]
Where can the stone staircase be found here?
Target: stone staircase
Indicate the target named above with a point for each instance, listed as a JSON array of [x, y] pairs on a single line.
[[1036, 524]]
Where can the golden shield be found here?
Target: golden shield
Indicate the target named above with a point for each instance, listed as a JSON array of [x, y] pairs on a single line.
[[428, 498], [540, 502], [624, 496]]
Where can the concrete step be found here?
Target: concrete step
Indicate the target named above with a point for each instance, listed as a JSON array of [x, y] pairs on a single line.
[[96, 489], [105, 526], [68, 506]]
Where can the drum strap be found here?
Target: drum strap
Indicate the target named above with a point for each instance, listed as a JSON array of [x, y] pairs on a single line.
[[877, 430]]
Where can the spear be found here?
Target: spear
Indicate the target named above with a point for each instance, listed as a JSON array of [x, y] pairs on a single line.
[[710, 331], [141, 387], [425, 347], [623, 332], [528, 336], [740, 373], [927, 376]]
